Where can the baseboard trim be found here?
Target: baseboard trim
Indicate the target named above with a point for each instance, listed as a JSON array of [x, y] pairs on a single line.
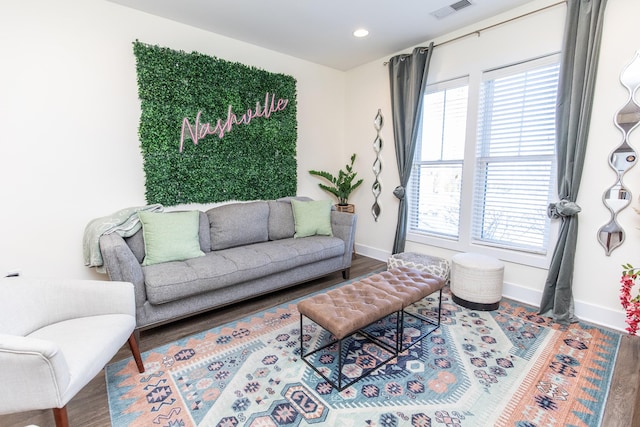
[[370, 252], [586, 312]]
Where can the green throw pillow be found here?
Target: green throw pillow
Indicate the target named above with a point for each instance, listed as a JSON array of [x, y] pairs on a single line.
[[311, 218], [170, 236]]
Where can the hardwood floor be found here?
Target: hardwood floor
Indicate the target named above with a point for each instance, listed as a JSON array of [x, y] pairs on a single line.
[[90, 408]]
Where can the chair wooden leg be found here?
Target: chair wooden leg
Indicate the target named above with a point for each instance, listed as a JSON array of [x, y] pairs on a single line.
[[60, 415], [135, 350]]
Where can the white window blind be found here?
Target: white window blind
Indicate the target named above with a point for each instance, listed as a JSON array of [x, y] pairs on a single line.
[[436, 177], [515, 156]]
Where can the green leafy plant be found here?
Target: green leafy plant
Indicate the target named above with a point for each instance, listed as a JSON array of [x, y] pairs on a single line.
[[343, 183]]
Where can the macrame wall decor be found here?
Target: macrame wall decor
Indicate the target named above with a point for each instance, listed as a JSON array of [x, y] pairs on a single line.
[[212, 130]]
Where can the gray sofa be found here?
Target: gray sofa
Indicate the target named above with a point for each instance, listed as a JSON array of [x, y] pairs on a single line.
[[249, 250]]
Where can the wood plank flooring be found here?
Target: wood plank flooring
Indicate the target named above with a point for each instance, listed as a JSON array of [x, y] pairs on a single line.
[[90, 408]]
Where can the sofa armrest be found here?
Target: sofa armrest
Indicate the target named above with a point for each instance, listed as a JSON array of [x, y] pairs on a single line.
[[121, 264], [34, 374], [343, 226]]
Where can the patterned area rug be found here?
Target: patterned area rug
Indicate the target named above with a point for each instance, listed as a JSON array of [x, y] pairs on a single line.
[[504, 368]]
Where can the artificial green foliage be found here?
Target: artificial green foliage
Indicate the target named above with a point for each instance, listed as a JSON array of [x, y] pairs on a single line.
[[342, 184], [251, 161]]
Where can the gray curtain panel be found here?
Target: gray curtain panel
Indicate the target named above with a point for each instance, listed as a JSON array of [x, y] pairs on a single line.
[[408, 78], [580, 52]]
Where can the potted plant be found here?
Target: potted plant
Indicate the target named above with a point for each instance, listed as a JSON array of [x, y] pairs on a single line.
[[342, 185]]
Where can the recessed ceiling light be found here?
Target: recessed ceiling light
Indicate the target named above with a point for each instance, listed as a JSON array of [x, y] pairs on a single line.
[[361, 32]]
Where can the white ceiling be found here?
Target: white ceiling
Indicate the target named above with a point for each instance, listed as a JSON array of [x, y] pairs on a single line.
[[321, 31]]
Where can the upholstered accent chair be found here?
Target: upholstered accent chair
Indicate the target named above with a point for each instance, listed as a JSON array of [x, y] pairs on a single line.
[[56, 336]]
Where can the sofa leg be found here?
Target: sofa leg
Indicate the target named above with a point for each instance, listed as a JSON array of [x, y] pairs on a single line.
[[135, 350], [60, 415], [346, 273]]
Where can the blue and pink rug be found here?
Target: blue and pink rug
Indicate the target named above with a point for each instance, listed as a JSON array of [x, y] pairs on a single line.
[[504, 368]]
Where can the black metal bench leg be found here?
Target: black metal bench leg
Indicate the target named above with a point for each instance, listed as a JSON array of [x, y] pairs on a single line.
[[440, 307], [400, 331], [301, 338], [339, 365], [341, 384], [420, 317]]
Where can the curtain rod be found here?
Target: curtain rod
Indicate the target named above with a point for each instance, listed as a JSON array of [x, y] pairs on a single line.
[[496, 25]]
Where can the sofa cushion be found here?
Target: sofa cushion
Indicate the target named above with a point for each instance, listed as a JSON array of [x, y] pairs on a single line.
[[218, 269], [204, 233], [280, 220], [281, 224], [238, 224], [136, 242], [312, 218], [170, 236]]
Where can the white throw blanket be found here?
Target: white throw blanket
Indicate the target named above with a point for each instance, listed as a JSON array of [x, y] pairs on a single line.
[[124, 222]]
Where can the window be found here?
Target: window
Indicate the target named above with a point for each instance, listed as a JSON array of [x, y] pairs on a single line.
[[515, 153], [486, 178], [436, 177]]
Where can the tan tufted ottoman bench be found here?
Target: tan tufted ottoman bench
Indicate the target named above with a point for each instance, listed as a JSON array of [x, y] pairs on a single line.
[[349, 309]]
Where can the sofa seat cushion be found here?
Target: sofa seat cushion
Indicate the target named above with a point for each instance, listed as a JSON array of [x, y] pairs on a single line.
[[86, 344], [175, 280]]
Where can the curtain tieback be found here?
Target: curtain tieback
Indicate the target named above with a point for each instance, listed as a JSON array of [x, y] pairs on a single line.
[[563, 208], [399, 192]]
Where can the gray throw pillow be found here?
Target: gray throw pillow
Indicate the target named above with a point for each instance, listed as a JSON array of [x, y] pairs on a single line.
[[238, 224], [281, 224]]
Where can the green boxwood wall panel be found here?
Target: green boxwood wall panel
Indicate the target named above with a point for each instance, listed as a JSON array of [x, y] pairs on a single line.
[[254, 160]]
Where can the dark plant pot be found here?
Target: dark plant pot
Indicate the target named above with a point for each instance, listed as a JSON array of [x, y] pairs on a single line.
[[346, 208]]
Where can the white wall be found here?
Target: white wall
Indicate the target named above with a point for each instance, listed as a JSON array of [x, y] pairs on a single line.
[[69, 149], [69, 116], [596, 277]]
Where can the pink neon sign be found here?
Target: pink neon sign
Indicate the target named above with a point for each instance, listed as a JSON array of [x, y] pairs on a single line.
[[199, 130]]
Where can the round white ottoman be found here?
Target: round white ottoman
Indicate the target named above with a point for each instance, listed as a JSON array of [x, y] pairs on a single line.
[[421, 262], [476, 281]]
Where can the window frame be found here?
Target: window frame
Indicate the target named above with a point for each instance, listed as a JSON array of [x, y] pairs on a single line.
[[465, 241]]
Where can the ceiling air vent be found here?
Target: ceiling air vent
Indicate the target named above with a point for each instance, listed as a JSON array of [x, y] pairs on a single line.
[[460, 5], [448, 10]]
